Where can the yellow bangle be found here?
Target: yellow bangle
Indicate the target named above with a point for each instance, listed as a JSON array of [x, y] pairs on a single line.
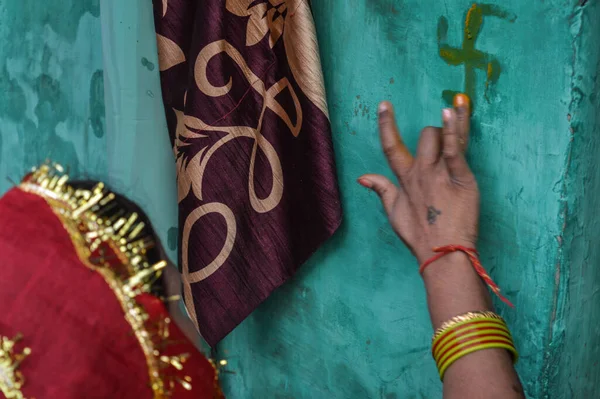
[[448, 363], [452, 333], [462, 345], [462, 319], [474, 334], [446, 327], [468, 333]]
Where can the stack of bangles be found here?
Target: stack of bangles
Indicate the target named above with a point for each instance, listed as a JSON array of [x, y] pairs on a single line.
[[468, 333]]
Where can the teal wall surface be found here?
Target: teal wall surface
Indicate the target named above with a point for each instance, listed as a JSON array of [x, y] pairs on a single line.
[[139, 155], [99, 112], [80, 85], [51, 85], [353, 323], [571, 370]]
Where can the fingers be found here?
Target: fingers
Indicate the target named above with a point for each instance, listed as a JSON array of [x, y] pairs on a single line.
[[395, 150], [385, 189], [430, 145], [453, 149], [462, 107], [450, 137]]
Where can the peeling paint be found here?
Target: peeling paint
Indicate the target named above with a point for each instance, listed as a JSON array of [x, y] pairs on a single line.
[[570, 370]]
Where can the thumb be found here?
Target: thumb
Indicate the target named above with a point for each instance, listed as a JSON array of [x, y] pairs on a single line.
[[385, 189]]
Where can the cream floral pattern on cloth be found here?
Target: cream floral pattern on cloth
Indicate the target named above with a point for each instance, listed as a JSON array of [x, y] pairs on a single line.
[[193, 175], [169, 53], [301, 48], [263, 20], [283, 32]]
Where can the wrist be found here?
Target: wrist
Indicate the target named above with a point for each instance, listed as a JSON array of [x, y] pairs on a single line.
[[453, 287], [425, 252], [454, 266]]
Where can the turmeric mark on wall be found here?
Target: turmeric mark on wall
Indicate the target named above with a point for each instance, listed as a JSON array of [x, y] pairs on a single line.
[[467, 54]]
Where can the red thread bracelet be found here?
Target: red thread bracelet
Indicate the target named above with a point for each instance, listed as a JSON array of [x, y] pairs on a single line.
[[474, 259]]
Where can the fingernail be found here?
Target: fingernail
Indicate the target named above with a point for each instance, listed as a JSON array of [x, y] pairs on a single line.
[[462, 100], [365, 183], [446, 114], [384, 107]]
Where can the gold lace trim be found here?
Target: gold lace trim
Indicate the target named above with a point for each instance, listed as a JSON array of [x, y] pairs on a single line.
[[97, 228], [11, 379]]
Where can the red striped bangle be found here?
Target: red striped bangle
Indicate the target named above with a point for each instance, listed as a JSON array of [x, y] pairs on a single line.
[[455, 345], [469, 333], [475, 324]]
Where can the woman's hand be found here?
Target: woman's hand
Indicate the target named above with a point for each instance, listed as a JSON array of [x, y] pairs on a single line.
[[437, 202]]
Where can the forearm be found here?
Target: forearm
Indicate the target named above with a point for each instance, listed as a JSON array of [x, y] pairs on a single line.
[[454, 288]]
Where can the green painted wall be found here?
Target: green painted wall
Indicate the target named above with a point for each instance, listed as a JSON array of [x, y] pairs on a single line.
[[353, 323], [83, 90], [574, 351], [51, 87], [140, 159]]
